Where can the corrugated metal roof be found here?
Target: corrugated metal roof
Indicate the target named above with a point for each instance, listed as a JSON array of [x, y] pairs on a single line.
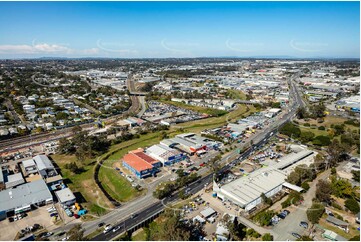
[[136, 162], [26, 194], [43, 162], [249, 188], [207, 212], [14, 180], [292, 158], [145, 157], [28, 163]]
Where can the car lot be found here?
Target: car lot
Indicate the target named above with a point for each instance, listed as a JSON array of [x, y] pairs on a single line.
[[8, 230]]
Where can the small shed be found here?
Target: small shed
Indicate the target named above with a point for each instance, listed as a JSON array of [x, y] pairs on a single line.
[[208, 212], [65, 197]]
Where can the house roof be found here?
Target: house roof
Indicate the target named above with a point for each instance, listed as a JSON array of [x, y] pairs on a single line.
[[136, 162]]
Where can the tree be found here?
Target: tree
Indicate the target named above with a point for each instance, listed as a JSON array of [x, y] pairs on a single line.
[[305, 186], [336, 153], [352, 205], [321, 140], [266, 199], [315, 212], [264, 217], [65, 146], [76, 233], [267, 237], [306, 136], [318, 110], [76, 129], [213, 164], [236, 230], [61, 115], [356, 175], [290, 130], [323, 191], [341, 188]]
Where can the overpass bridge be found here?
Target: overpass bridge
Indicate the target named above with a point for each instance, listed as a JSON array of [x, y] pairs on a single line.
[[131, 93]]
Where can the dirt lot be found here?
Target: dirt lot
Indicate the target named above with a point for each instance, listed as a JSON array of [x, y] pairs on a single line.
[[8, 230]]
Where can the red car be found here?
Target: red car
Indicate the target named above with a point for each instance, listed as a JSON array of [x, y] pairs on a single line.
[[202, 164], [76, 216]]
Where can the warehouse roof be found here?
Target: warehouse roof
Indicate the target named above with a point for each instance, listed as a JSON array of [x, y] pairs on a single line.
[[65, 195], [292, 158], [207, 212], [26, 194], [28, 163], [144, 156], [14, 180], [43, 162], [247, 189], [136, 162], [336, 221]]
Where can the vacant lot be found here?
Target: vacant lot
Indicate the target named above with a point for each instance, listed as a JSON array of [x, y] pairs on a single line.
[[83, 184]]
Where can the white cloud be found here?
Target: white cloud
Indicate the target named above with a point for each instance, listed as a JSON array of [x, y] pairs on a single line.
[[44, 48]]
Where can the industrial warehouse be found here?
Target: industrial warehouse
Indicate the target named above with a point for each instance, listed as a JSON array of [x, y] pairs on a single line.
[[246, 191], [23, 197]]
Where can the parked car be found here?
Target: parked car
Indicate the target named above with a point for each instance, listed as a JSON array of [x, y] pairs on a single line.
[[296, 235], [304, 224], [286, 212]]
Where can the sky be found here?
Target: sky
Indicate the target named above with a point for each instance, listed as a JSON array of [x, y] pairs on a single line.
[[179, 29]]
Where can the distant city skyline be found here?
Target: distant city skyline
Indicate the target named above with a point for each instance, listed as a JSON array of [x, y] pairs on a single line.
[[180, 29]]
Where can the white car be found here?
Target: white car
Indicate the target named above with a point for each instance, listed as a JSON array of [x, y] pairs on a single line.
[[107, 228], [115, 229]]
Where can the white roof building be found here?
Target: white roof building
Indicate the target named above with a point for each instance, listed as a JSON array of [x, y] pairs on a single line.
[[14, 180], [246, 191], [208, 212], [43, 162]]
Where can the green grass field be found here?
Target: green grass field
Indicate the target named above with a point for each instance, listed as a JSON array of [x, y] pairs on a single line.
[[139, 236], [235, 94], [83, 183]]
